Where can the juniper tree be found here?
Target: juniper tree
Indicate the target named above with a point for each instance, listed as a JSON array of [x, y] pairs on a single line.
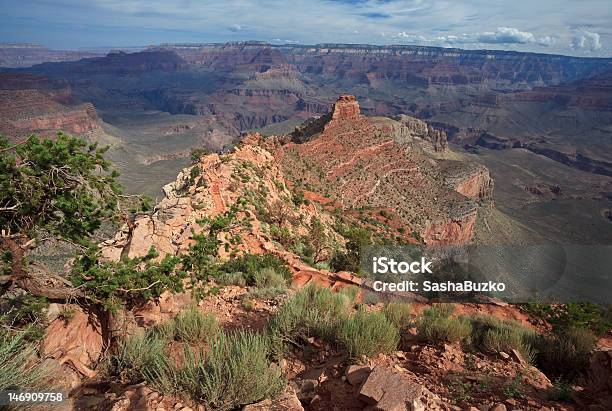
[[61, 188]]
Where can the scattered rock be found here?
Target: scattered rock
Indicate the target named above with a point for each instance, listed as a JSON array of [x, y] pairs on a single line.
[[498, 407], [134, 398], [504, 355], [387, 390], [305, 389], [518, 357], [537, 379], [400, 354], [356, 374], [61, 376]]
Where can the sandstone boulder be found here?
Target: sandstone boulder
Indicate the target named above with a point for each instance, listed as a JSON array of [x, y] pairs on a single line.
[[356, 374], [76, 341], [386, 390]]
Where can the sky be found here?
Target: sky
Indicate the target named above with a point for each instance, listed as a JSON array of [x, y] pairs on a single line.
[[570, 27]]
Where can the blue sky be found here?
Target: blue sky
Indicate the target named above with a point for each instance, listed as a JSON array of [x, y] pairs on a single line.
[[582, 28]]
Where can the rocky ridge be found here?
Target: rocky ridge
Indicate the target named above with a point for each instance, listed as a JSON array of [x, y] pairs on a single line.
[[250, 174], [380, 162]]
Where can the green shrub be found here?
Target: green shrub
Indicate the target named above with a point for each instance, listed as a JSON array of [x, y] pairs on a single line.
[[356, 239], [27, 313], [514, 389], [596, 317], [236, 371], [371, 298], [251, 264], [266, 293], [368, 334], [398, 313], [565, 355], [350, 292], [197, 153], [435, 325], [440, 310], [131, 281], [312, 311], [268, 277], [142, 357], [493, 335], [560, 391], [192, 326], [16, 365], [304, 249], [231, 279], [165, 330]]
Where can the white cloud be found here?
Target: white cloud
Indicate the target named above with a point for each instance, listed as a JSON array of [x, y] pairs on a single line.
[[546, 41], [505, 35], [407, 37], [586, 40], [501, 36], [526, 26]]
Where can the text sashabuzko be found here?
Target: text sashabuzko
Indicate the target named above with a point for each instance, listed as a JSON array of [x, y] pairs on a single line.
[[384, 265]]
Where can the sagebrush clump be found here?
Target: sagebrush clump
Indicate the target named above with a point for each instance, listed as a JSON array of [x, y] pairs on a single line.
[[493, 335], [18, 364], [236, 371], [565, 355], [313, 311], [367, 334], [398, 313], [192, 326], [436, 325]]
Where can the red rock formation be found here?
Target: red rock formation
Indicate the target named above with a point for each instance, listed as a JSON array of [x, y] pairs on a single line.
[[346, 108], [385, 163], [473, 181], [23, 112], [478, 185], [452, 231], [77, 341]]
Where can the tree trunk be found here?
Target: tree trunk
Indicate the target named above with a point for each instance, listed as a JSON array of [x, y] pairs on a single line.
[[38, 280]]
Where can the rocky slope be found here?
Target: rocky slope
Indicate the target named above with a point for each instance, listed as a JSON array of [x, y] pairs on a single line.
[[213, 186], [259, 181], [33, 104], [379, 162]]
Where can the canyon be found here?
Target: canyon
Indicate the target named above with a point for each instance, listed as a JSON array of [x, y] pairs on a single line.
[[273, 168], [542, 119]]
